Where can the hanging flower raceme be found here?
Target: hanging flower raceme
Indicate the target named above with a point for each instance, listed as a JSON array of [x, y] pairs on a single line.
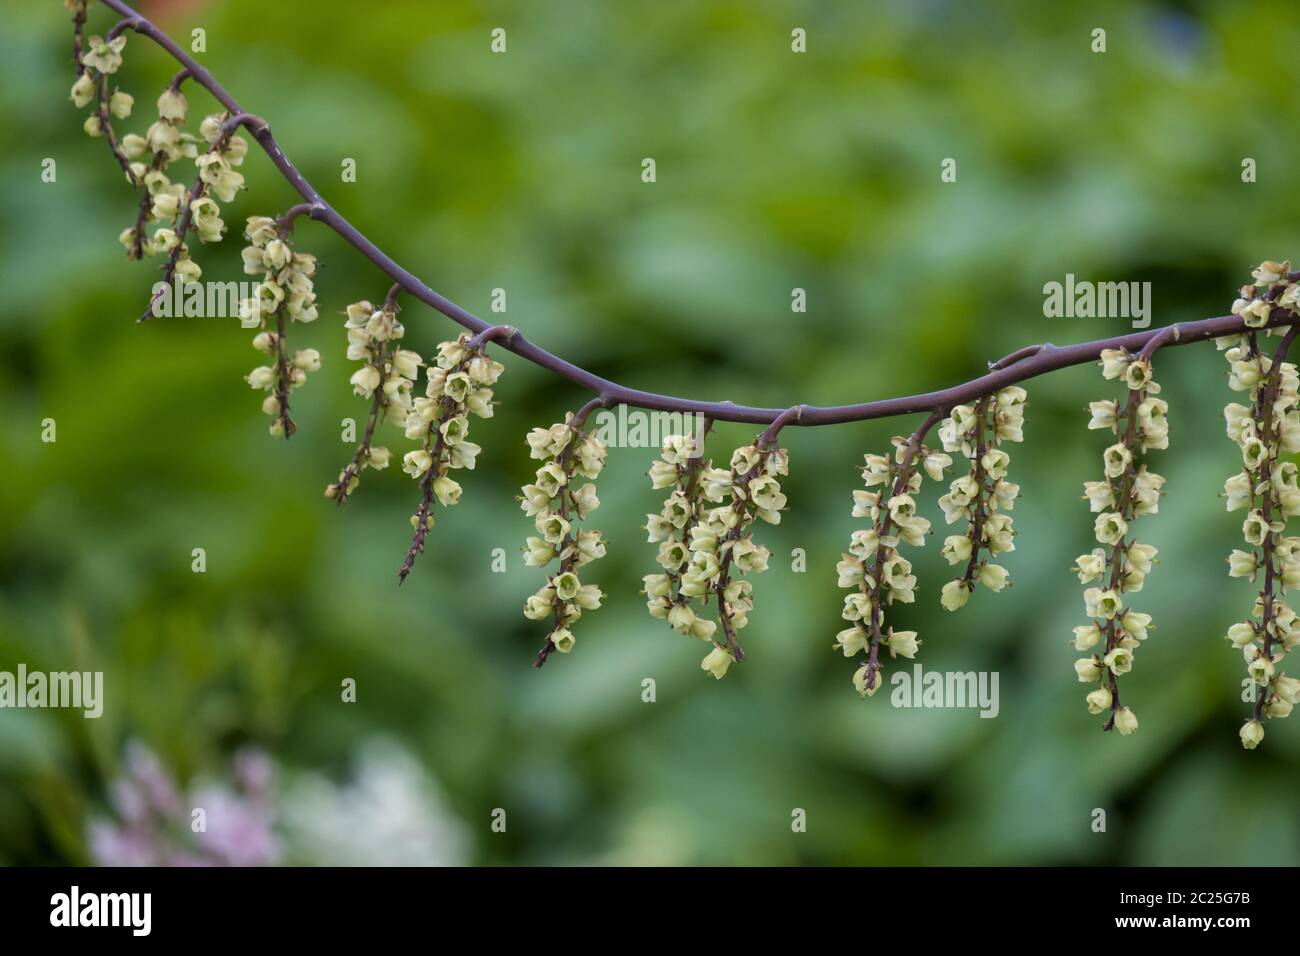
[[705, 537], [1120, 566], [1266, 489], [558, 501], [460, 381], [145, 159], [386, 378], [217, 180], [162, 200], [873, 570], [680, 468], [195, 210], [984, 495], [284, 295], [100, 58]]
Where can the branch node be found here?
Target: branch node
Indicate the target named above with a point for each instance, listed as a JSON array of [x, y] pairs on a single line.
[[390, 300], [494, 333], [768, 437], [127, 23], [285, 223]]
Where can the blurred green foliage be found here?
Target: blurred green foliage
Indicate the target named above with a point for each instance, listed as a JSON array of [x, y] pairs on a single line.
[[521, 171]]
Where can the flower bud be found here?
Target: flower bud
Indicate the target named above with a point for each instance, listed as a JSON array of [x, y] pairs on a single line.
[[277, 254], [851, 640], [407, 364], [540, 605], [902, 643], [662, 475], [261, 377], [165, 206], [1241, 635], [1099, 700], [119, 104], [954, 596], [867, 680], [993, 576], [563, 639], [1126, 721], [416, 463], [588, 597], [716, 662], [83, 91], [1088, 669], [1103, 414], [1287, 688], [657, 585], [1278, 708], [681, 617], [1119, 660], [1086, 636], [365, 381], [1252, 734], [172, 106], [447, 490]]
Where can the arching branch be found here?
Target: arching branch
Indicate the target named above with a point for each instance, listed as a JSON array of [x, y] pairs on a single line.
[[1019, 366]]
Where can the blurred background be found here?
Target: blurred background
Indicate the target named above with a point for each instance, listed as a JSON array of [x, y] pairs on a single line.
[[521, 171]]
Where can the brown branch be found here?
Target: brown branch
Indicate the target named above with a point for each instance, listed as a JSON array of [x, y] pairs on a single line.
[[145, 207], [110, 137], [282, 376], [78, 40], [423, 521], [980, 511], [1018, 367]]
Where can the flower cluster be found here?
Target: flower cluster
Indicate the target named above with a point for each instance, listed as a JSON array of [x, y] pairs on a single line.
[[100, 59], [386, 377], [557, 502], [983, 495], [680, 468], [704, 532], [218, 180], [196, 209], [460, 380], [285, 294], [145, 161], [873, 569], [161, 200], [1267, 489], [1121, 564]]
